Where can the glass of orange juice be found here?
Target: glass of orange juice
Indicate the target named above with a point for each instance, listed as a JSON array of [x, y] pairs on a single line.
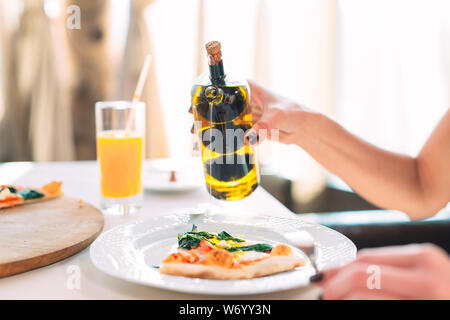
[[120, 153]]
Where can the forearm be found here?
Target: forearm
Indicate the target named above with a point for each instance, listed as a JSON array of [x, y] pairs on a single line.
[[387, 179]]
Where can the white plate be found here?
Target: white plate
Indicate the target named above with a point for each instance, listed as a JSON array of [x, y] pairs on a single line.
[[131, 251], [188, 173]]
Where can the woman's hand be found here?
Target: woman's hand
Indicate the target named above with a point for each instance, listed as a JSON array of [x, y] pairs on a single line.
[[274, 117], [405, 272]]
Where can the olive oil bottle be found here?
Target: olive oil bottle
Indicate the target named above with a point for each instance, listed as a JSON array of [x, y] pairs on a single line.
[[222, 116]]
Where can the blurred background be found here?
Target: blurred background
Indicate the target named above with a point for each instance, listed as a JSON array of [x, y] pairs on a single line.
[[381, 68]]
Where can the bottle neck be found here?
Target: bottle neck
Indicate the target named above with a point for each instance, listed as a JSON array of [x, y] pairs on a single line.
[[216, 71]]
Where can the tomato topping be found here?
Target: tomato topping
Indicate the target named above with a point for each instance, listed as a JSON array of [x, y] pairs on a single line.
[[205, 246], [10, 199]]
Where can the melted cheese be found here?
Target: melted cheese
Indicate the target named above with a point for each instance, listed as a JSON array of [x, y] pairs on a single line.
[[239, 256], [242, 256], [5, 193], [224, 244]]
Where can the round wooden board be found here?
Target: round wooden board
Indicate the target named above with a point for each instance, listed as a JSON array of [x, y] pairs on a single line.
[[38, 234]]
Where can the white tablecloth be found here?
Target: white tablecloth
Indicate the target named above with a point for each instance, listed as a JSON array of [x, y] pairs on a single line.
[[81, 181]]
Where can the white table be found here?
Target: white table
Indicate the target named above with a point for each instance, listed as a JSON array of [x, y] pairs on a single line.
[[81, 181]]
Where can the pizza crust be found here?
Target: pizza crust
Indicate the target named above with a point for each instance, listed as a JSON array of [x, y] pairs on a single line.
[[270, 265], [50, 191]]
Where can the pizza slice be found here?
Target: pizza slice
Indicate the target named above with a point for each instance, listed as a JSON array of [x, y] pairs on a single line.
[[13, 195], [222, 256]]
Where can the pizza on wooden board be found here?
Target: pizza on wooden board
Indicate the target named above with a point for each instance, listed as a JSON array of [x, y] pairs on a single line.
[[13, 195], [221, 256]]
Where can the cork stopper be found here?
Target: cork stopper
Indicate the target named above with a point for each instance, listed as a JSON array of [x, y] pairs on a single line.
[[213, 48]]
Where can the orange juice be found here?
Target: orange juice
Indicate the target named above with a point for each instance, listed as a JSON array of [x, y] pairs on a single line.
[[120, 157]]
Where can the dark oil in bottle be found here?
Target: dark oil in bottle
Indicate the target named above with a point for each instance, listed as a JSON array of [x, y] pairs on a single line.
[[222, 117]]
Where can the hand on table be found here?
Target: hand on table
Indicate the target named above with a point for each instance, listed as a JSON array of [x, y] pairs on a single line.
[[405, 272]]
